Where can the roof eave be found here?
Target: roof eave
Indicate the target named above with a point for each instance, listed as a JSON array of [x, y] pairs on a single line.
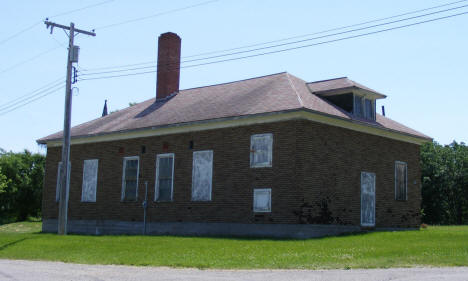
[[343, 90], [244, 117], [368, 124]]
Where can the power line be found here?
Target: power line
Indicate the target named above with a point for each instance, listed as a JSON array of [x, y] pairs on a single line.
[[54, 16], [30, 97], [326, 31], [155, 15], [120, 66], [328, 35], [34, 25], [81, 9], [121, 70], [60, 43], [285, 39], [107, 26], [330, 41], [152, 64], [28, 60], [288, 49], [121, 75], [52, 89], [20, 32], [31, 94], [30, 101], [283, 44]]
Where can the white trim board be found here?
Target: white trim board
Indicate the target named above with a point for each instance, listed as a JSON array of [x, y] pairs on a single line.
[[246, 121]]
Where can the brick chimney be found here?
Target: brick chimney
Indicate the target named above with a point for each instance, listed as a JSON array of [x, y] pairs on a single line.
[[168, 72]]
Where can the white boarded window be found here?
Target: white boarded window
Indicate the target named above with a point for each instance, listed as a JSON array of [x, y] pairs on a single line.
[[130, 178], [89, 186], [202, 173], [164, 177], [59, 172], [261, 150], [262, 200], [367, 199], [401, 180]]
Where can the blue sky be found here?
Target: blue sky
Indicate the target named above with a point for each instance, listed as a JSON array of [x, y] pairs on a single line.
[[421, 69]]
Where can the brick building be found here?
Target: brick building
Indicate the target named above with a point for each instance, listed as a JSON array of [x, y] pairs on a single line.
[[267, 156]]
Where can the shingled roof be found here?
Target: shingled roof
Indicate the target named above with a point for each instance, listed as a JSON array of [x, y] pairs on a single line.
[[342, 83], [276, 93]]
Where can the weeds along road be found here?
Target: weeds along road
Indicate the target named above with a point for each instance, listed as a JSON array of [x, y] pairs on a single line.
[[13, 270]]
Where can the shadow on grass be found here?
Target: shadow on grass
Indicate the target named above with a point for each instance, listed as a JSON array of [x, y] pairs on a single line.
[[5, 246], [239, 238], [9, 220], [362, 233]]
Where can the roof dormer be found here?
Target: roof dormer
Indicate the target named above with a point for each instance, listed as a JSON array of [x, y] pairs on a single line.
[[348, 95]]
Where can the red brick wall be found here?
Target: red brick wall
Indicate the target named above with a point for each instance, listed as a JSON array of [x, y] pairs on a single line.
[[311, 162], [330, 162]]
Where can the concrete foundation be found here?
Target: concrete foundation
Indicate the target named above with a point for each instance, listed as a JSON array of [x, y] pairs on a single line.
[[108, 227]]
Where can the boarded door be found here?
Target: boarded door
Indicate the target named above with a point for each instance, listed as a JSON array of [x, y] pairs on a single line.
[[202, 173], [367, 199]]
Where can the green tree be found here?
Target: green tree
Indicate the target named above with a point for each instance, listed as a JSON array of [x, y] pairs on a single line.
[[444, 183], [20, 184], [3, 182]]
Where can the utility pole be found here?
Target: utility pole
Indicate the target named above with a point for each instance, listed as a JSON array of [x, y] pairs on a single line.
[[65, 171]]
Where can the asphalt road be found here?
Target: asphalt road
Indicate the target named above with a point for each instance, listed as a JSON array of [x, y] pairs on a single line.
[[55, 271]]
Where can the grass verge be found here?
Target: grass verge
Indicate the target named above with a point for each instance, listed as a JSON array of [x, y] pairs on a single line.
[[434, 246], [21, 227]]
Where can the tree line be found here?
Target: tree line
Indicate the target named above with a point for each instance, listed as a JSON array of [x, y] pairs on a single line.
[[21, 179], [444, 172]]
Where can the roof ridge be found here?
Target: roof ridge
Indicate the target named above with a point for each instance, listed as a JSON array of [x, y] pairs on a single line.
[[147, 100], [318, 81], [224, 83], [301, 103], [219, 84]]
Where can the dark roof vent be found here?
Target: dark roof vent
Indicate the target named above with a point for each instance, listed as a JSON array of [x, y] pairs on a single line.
[[104, 110]]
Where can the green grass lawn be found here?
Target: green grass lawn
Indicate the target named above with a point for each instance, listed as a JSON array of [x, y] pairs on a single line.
[[434, 246]]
